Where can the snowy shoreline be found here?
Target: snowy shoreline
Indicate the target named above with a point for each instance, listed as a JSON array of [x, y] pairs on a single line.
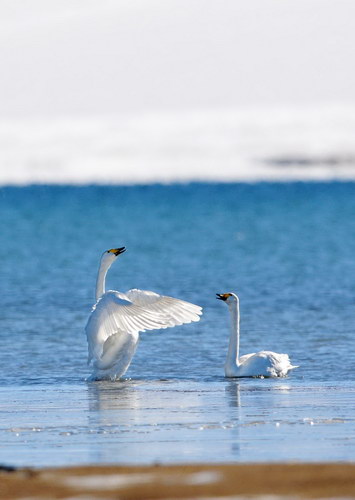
[[216, 145]]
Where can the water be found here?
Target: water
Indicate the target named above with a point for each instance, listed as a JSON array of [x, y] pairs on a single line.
[[286, 249]]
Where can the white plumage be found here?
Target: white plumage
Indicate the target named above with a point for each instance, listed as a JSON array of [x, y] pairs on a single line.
[[256, 364], [117, 318]]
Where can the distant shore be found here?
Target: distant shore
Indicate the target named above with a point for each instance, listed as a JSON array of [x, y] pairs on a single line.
[[328, 480], [254, 144]]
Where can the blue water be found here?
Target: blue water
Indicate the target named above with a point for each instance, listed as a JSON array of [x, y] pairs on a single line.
[[286, 249]]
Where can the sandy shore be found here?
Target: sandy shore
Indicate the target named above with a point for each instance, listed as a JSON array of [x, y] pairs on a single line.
[[181, 481]]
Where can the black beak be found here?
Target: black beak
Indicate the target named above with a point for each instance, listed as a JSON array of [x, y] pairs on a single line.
[[221, 297], [119, 251]]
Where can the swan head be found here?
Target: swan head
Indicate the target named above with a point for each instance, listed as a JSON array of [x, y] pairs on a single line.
[[109, 256], [229, 298]]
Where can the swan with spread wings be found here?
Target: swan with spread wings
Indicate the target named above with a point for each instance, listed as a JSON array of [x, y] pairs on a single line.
[[117, 319]]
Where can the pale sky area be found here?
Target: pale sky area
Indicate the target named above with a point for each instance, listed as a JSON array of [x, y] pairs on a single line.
[[70, 57]]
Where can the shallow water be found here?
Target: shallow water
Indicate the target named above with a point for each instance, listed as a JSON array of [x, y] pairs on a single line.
[[172, 421], [286, 249]]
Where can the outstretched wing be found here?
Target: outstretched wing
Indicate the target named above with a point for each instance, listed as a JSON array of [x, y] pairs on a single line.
[[133, 312], [113, 314], [174, 311]]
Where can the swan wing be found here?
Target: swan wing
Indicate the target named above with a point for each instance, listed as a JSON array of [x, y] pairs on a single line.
[[174, 311], [265, 363], [244, 359], [280, 363], [114, 314]]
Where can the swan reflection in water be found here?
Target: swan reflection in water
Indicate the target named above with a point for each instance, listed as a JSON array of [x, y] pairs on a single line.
[[232, 391], [136, 421], [256, 413], [114, 413], [111, 400]]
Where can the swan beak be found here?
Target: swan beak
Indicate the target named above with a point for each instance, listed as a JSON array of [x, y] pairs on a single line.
[[117, 251], [223, 296]]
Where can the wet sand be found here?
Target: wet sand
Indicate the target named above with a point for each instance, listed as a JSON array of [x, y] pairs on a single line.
[[181, 481]]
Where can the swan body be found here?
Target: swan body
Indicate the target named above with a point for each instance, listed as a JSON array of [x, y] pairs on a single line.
[[117, 318], [256, 364]]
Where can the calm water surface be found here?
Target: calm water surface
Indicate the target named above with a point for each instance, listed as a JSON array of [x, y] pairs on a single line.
[[286, 249]]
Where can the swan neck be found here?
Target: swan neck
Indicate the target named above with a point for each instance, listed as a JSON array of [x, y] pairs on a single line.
[[101, 277], [233, 349]]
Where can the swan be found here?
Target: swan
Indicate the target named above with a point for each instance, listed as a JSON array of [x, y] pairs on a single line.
[[256, 364], [116, 319]]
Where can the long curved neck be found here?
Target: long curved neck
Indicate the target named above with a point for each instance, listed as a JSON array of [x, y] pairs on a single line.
[[233, 348], [100, 281]]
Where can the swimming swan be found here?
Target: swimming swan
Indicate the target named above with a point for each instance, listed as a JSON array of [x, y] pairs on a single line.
[[259, 364], [117, 318]]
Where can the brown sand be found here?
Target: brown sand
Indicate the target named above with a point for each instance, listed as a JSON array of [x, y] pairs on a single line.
[[181, 481]]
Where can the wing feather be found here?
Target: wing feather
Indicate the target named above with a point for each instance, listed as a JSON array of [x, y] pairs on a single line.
[[174, 311], [113, 313], [133, 312]]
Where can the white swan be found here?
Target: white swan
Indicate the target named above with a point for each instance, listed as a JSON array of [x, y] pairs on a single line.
[[259, 364], [117, 318]]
